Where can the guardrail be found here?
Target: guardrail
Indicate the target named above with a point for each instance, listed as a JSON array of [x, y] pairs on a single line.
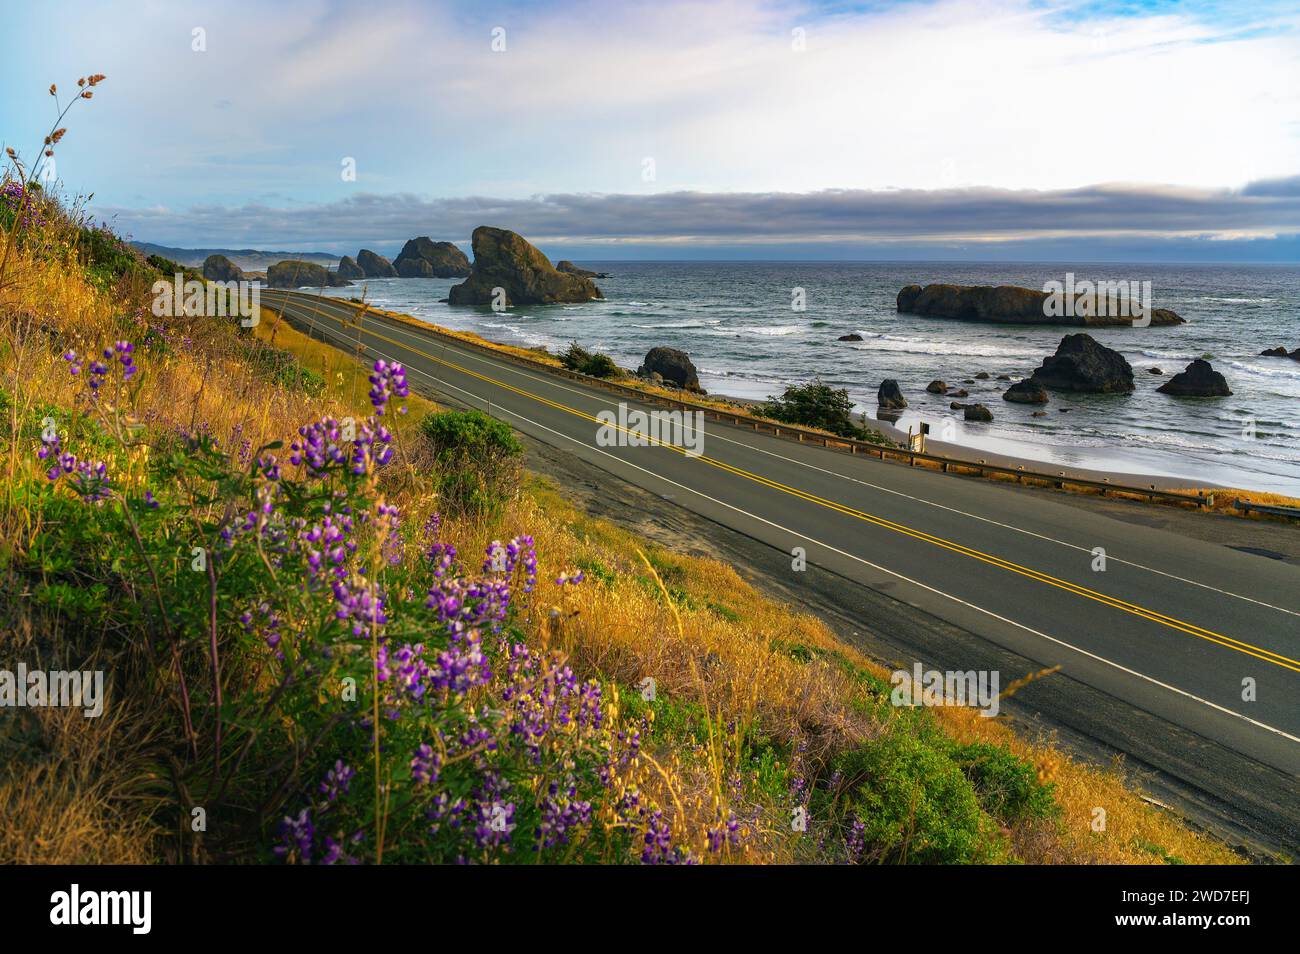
[[805, 435], [1247, 507]]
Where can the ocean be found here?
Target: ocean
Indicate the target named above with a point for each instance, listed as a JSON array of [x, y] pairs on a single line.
[[736, 321]]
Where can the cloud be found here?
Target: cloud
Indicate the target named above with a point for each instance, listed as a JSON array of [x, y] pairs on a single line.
[[974, 215], [1007, 94]]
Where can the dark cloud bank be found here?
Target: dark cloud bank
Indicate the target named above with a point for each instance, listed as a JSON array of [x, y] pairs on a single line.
[[1258, 223]]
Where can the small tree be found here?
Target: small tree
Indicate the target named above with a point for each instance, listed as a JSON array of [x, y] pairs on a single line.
[[815, 405]]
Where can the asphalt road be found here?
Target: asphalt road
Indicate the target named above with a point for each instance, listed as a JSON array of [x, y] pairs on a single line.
[[1187, 633]]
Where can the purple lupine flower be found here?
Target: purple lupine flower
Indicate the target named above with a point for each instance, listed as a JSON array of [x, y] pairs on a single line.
[[372, 449], [386, 381], [562, 812], [658, 841], [264, 622], [363, 604], [337, 781], [727, 833], [426, 766], [296, 835], [89, 479], [319, 448], [856, 842]]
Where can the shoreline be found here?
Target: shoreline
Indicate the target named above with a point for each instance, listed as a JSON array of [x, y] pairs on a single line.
[[977, 455]]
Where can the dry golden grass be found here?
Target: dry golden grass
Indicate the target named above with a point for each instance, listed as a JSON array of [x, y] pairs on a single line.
[[693, 625]]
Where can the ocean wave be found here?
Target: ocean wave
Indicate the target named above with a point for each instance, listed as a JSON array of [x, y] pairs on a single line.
[[772, 331], [689, 323], [1237, 301]]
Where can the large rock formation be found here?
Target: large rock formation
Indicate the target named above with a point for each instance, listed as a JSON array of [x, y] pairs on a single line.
[[294, 274], [1198, 380], [503, 259], [218, 268], [1027, 391], [424, 258], [1278, 352], [569, 268], [673, 366], [375, 266], [1009, 304], [890, 395], [1081, 364], [349, 269]]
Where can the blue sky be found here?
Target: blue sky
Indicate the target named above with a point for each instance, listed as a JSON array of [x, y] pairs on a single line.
[[679, 130]]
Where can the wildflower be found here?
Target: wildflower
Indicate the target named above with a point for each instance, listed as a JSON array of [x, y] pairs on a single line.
[[89, 479], [296, 835], [387, 380], [319, 448], [362, 604], [426, 765], [337, 781]]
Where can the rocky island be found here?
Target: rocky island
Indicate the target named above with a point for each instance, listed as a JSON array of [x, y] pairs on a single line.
[[1008, 304], [504, 259], [424, 258], [295, 274]]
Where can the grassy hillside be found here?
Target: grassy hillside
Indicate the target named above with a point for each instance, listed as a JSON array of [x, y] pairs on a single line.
[[338, 623]]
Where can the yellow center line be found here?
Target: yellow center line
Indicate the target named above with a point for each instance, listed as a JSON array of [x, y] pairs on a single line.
[[1228, 642]]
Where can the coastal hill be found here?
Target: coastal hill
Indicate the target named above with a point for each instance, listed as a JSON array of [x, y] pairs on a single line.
[[1011, 304], [248, 259]]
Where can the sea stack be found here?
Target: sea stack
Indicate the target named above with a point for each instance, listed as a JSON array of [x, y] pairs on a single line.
[[295, 274], [424, 258], [218, 268], [505, 260], [374, 265], [890, 396], [1011, 304], [673, 366], [1199, 379], [349, 269], [1081, 364]]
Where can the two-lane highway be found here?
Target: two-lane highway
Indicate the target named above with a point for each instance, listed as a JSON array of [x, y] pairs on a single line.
[[1206, 637]]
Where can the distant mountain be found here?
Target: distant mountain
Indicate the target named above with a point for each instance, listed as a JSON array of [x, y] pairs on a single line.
[[249, 259]]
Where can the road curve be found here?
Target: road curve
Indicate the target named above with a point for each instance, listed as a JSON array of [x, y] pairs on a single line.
[[1204, 637]]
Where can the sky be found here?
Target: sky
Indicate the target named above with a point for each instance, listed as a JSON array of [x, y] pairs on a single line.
[[1004, 129]]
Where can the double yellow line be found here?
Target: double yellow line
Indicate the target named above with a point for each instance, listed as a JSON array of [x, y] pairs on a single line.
[[1191, 629]]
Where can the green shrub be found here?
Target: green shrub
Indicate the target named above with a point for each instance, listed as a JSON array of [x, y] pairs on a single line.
[[815, 405], [477, 459], [282, 368], [912, 802], [1007, 787], [578, 358]]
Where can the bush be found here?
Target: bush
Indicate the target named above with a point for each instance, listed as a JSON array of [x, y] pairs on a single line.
[[1007, 787], [598, 365], [282, 368], [815, 405], [477, 458], [909, 802]]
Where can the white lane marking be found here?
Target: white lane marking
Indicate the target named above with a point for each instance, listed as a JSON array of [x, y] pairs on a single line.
[[874, 566], [866, 483]]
